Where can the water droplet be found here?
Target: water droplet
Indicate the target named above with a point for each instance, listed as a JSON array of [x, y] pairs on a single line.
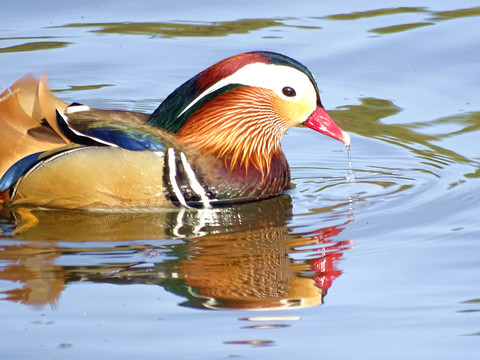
[[350, 175]]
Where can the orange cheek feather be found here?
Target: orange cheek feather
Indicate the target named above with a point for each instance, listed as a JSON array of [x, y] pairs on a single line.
[[242, 126]]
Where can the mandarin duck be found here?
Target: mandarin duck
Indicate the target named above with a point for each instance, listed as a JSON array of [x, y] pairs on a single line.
[[214, 141]]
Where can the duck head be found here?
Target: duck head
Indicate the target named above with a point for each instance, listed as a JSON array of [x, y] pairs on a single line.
[[239, 108]]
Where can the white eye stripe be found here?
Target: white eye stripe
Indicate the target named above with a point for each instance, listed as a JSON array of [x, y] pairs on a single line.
[[268, 76]]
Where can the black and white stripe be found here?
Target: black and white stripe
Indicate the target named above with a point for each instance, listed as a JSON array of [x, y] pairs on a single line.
[[184, 187], [75, 135]]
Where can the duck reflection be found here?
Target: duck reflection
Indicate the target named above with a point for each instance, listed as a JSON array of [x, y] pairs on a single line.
[[242, 257]]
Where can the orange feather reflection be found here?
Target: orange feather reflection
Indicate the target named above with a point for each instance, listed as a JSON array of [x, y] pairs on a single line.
[[235, 258]]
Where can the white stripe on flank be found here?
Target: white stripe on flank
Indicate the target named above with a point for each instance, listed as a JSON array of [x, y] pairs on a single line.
[[196, 186], [172, 172]]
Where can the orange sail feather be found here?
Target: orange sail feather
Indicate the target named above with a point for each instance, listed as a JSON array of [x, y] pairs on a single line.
[[27, 112]]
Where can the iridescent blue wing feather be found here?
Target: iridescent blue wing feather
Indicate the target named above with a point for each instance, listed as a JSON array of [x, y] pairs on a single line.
[[17, 170], [93, 132]]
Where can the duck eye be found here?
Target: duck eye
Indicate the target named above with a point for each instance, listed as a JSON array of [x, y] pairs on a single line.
[[289, 91]]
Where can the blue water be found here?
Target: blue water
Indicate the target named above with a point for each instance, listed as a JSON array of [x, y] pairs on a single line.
[[384, 268]]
